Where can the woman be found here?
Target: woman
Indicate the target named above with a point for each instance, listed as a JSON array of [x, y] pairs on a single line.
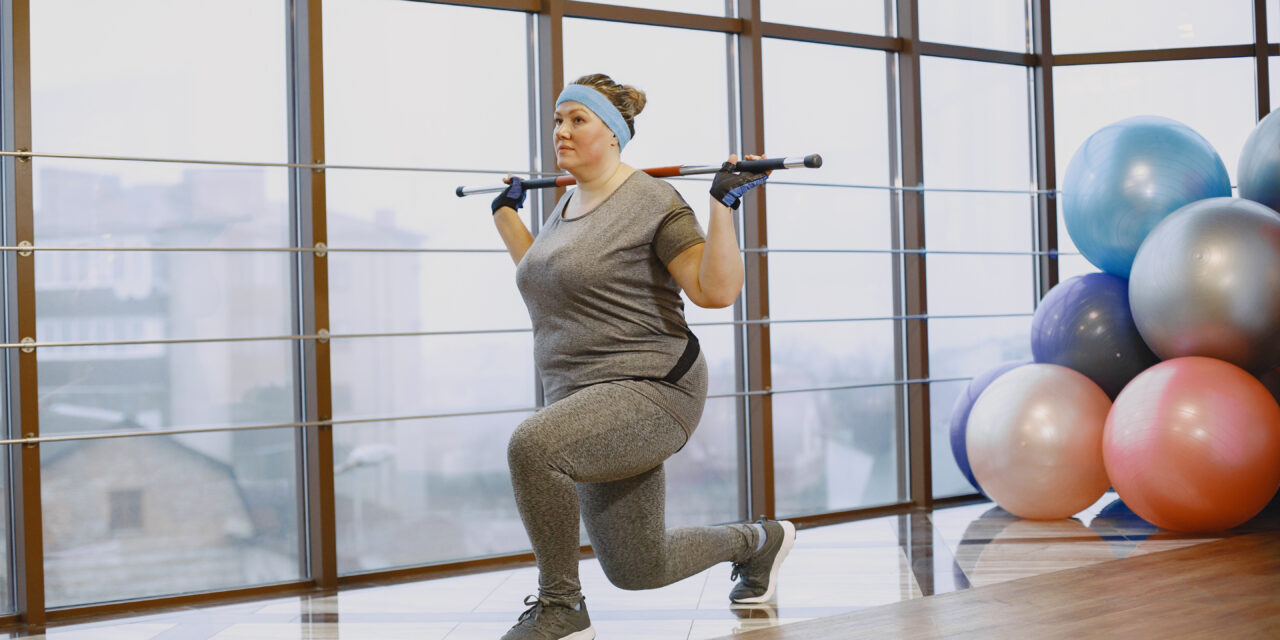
[[623, 375]]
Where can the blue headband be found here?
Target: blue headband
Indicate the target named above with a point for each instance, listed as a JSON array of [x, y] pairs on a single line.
[[599, 105]]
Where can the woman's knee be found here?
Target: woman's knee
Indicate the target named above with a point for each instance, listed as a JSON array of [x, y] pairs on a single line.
[[525, 445], [631, 576]]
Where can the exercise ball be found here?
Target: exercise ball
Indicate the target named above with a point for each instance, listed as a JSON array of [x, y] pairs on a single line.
[[1035, 441], [1084, 323], [1258, 175], [960, 414], [1193, 444], [1207, 283], [1128, 176]]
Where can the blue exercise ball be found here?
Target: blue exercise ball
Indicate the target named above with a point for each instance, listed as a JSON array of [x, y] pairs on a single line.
[[1207, 283], [960, 414], [1258, 175], [1127, 177], [1084, 323]]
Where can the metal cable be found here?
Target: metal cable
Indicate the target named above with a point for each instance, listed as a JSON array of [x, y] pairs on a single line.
[[429, 416], [319, 166], [464, 332], [316, 166]]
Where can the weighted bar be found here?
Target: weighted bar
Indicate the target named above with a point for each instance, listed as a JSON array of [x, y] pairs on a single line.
[[812, 161]]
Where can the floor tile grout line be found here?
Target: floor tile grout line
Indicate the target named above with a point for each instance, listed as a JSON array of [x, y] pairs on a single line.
[[498, 587]]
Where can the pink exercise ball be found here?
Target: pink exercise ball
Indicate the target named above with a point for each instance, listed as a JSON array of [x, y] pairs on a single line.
[[1193, 444], [1035, 441]]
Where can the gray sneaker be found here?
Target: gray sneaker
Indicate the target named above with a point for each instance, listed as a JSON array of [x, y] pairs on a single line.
[[546, 621], [758, 576]]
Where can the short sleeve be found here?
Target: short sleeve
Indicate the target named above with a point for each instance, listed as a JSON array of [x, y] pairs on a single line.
[[679, 231]]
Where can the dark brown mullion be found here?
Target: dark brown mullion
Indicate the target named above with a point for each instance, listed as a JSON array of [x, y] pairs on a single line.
[[755, 235], [615, 13], [1260, 50], [28, 536], [1046, 161], [315, 451], [940, 50], [913, 238], [1156, 55], [829, 36]]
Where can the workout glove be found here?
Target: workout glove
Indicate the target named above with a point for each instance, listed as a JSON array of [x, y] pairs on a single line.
[[512, 197], [728, 187]]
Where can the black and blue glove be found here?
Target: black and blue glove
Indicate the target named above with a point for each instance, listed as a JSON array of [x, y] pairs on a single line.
[[728, 187], [512, 196]]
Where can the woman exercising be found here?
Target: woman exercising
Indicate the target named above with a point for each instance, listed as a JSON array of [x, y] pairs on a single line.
[[623, 375]]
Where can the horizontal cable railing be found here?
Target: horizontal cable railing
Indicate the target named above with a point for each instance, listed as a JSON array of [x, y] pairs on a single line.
[[321, 250], [463, 332], [430, 416]]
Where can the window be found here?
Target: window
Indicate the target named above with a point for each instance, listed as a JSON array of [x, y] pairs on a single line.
[[1149, 24], [431, 264], [831, 276], [990, 24], [976, 120], [99, 88], [862, 16]]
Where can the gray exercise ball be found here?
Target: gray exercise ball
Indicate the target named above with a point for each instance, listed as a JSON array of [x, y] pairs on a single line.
[[1206, 282]]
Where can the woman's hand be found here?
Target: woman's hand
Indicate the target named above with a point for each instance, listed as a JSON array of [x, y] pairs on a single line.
[[728, 187], [512, 196]]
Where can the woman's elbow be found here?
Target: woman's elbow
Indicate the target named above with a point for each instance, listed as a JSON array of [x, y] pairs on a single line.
[[718, 299]]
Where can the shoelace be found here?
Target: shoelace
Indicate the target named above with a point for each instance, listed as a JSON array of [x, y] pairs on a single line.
[[534, 610], [737, 566]]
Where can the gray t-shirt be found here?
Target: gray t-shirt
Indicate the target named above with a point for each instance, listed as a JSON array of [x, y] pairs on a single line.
[[603, 305]]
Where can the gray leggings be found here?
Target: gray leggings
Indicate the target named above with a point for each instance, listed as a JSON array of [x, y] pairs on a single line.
[[599, 453]]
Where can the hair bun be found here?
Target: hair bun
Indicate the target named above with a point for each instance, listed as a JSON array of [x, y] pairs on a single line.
[[637, 99]]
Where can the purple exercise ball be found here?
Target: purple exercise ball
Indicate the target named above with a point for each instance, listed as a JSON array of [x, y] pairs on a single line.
[[960, 414], [1084, 323]]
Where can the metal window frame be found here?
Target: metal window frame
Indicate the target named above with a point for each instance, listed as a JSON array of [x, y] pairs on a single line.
[[313, 397], [745, 32]]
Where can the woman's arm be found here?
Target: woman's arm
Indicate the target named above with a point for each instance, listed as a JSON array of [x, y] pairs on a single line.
[[514, 234], [711, 273], [505, 217]]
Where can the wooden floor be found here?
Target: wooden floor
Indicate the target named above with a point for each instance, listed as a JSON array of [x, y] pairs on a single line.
[[1229, 588]]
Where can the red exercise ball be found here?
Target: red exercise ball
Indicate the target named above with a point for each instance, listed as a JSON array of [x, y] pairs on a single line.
[[1193, 444]]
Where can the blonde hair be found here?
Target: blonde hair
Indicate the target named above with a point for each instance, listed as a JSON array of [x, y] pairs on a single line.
[[627, 99]]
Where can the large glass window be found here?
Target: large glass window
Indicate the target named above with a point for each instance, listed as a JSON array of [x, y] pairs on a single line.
[[119, 514], [990, 24], [685, 121], [1149, 24], [431, 264], [860, 16], [1213, 97], [831, 281], [976, 121]]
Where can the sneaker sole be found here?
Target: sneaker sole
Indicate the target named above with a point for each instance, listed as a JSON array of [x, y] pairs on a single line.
[[788, 541], [586, 634]]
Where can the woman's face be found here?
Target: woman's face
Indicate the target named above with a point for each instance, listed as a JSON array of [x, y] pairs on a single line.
[[581, 137]]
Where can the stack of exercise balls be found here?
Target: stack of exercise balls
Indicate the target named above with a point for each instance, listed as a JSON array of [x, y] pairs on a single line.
[[1160, 375]]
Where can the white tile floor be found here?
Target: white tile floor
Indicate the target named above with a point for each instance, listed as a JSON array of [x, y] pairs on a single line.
[[831, 570]]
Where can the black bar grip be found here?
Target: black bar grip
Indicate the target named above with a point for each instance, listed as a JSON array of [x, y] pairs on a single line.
[[812, 161]]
